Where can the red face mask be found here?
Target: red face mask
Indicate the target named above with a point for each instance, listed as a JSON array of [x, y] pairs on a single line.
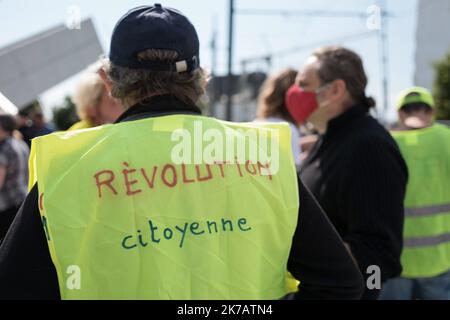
[[300, 103]]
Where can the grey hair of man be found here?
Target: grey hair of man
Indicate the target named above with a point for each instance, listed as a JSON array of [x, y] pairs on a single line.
[[131, 86]]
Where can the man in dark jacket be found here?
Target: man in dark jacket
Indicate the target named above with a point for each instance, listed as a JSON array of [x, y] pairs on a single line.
[[355, 170]]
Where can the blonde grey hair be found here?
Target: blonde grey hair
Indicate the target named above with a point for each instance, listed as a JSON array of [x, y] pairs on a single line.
[[130, 86], [89, 90]]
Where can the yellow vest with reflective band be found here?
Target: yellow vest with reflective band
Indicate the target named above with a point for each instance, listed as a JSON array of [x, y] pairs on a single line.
[[123, 221], [426, 251]]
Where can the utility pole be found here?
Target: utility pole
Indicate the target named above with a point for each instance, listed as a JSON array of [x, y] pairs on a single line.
[[384, 53], [382, 30], [213, 46], [229, 106]]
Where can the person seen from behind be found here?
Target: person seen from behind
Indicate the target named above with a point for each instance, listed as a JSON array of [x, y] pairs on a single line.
[[139, 224], [425, 145]]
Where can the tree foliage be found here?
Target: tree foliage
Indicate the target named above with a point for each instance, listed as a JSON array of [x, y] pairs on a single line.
[[65, 115], [442, 88]]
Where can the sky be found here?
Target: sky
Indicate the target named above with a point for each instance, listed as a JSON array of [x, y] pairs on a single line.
[[290, 38]]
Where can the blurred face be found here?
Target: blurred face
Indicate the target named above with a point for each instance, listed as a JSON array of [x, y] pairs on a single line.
[[38, 120], [109, 109], [309, 80], [21, 120], [416, 120]]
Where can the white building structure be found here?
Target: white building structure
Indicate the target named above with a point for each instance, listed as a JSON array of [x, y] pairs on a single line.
[[433, 39], [31, 66]]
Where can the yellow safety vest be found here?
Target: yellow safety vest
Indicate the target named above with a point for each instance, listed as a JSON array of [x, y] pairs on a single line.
[[123, 221], [83, 124], [426, 251]]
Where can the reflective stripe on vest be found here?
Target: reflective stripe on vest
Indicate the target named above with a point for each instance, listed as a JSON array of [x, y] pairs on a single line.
[[124, 220], [427, 211], [427, 241], [426, 251]]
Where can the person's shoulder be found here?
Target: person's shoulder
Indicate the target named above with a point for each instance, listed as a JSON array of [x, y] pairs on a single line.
[[372, 141], [26, 130], [8, 153], [376, 148], [20, 146], [371, 131], [8, 146], [441, 128], [83, 124]]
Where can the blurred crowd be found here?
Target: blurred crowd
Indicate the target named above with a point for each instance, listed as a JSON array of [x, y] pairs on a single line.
[[16, 134], [94, 107]]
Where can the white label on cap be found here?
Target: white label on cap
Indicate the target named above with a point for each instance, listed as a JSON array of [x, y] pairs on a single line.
[[181, 66]]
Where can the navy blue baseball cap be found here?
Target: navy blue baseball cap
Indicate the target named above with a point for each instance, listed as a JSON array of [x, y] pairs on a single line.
[[155, 27]]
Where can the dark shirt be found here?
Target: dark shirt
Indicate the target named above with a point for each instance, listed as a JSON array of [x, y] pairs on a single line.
[[318, 257], [358, 176], [36, 131], [27, 134]]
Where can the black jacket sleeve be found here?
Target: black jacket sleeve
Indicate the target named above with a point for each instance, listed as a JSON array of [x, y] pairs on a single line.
[[26, 269], [319, 259], [375, 216]]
